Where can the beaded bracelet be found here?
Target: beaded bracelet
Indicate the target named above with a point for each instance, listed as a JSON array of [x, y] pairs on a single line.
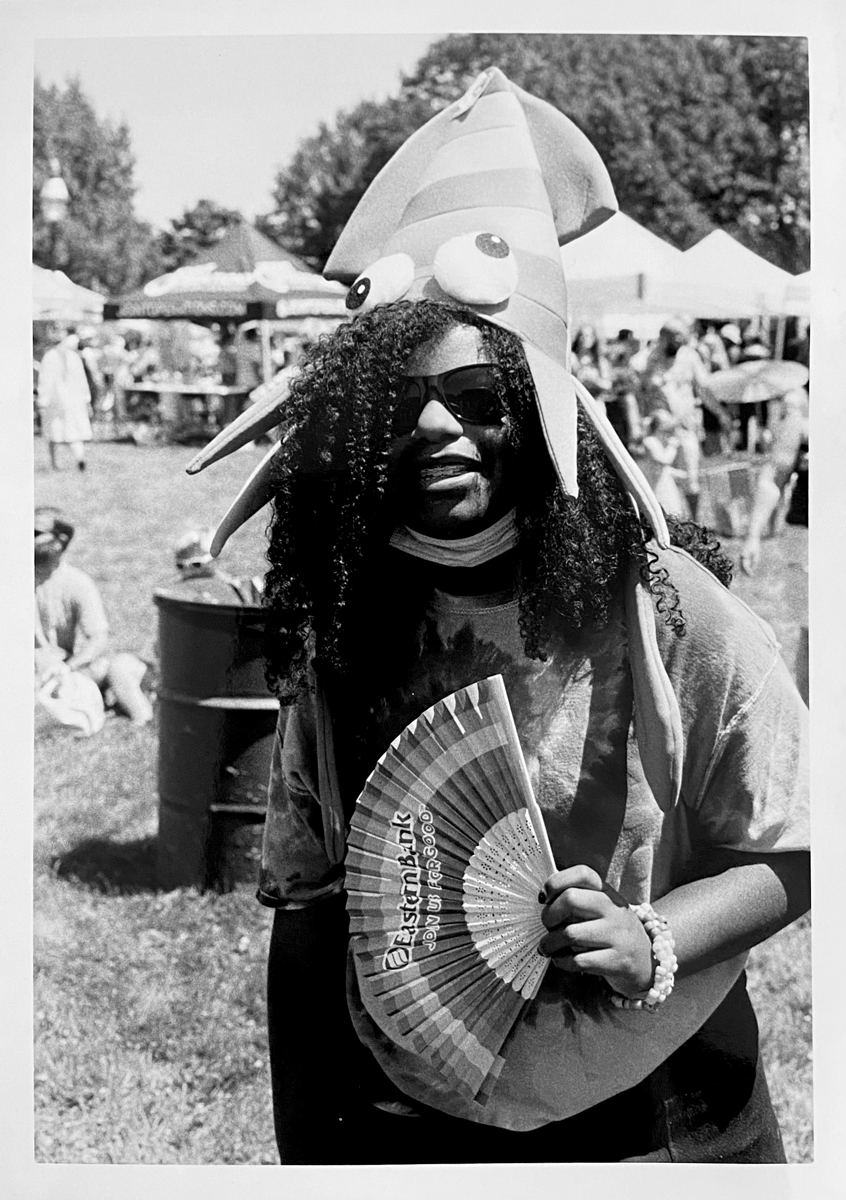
[[666, 963]]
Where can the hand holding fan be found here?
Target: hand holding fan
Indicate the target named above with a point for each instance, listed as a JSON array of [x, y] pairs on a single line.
[[446, 853]]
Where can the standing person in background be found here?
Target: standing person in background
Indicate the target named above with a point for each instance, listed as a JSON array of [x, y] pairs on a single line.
[[783, 480], [621, 405], [227, 361], [117, 376], [248, 360], [711, 349], [590, 364], [672, 380], [799, 342], [781, 499], [660, 447], [91, 354], [64, 398], [752, 420]]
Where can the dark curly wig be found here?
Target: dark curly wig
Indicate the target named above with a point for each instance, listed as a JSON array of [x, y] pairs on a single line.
[[334, 588]]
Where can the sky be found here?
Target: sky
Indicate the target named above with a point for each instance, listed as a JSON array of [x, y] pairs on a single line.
[[216, 117]]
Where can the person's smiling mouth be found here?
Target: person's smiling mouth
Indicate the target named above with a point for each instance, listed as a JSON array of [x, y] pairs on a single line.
[[447, 469]]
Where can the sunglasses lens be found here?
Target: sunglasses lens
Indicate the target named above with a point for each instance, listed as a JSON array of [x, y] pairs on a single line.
[[471, 393]]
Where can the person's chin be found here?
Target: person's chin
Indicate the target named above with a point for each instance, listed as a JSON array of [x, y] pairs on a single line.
[[441, 512]]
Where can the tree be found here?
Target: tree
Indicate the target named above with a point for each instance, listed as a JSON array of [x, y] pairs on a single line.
[[198, 228], [776, 71], [324, 181], [696, 132], [100, 243]]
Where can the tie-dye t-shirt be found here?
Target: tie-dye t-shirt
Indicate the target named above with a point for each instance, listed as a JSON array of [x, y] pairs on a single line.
[[744, 787], [744, 784]]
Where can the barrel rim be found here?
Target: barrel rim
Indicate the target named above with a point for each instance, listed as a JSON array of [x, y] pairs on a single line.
[[165, 598]]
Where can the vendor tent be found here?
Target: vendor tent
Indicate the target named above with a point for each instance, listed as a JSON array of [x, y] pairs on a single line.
[[720, 257], [245, 276], [57, 298], [623, 270], [617, 248]]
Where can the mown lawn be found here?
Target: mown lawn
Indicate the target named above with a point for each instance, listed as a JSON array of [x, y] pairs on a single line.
[[150, 1042]]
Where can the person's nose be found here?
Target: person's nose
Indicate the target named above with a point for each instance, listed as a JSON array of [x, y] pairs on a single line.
[[436, 422]]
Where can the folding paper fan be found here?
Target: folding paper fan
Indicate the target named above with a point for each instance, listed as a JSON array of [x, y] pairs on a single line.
[[446, 853]]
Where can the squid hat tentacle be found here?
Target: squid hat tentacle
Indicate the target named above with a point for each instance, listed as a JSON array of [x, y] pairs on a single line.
[[472, 209], [265, 412], [255, 493]]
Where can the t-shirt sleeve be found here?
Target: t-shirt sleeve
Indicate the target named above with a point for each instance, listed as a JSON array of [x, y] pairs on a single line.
[[295, 868], [746, 769], [755, 795]]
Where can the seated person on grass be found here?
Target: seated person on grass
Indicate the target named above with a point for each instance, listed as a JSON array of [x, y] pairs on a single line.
[[71, 629]]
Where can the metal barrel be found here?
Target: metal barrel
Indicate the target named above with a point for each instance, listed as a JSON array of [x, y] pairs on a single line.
[[216, 727]]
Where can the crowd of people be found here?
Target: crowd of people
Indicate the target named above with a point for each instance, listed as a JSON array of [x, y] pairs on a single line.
[[84, 374], [656, 397]]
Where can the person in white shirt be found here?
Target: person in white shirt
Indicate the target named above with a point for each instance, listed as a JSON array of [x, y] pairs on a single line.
[[64, 398]]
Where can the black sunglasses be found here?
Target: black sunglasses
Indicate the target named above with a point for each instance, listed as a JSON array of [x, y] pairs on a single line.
[[472, 395]]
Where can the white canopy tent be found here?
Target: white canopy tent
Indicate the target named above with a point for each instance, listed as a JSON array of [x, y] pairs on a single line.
[[616, 249], [622, 274], [57, 298], [719, 257]]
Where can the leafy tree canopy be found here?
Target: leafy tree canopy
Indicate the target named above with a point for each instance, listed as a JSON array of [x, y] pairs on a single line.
[[100, 243], [697, 133], [198, 228]]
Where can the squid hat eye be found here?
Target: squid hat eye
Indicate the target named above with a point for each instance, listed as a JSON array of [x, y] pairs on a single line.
[[476, 268], [383, 282]]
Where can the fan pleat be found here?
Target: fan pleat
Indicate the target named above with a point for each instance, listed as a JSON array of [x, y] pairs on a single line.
[[437, 773], [437, 968], [443, 867]]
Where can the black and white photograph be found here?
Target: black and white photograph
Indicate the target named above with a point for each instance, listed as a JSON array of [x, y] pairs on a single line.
[[432, 597]]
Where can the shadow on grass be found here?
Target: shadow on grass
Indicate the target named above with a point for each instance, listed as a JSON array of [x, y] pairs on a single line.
[[115, 867]]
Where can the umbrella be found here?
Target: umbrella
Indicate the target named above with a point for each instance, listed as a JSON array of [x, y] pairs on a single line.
[[245, 276], [57, 298], [757, 382]]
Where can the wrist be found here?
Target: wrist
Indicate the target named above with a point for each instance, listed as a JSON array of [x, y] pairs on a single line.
[[664, 961]]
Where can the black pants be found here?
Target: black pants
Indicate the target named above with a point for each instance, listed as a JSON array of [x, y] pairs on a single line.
[[707, 1103]]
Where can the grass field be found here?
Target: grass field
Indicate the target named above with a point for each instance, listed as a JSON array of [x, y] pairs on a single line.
[[150, 1044]]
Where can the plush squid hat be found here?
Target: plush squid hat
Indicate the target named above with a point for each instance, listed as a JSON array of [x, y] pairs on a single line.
[[472, 209]]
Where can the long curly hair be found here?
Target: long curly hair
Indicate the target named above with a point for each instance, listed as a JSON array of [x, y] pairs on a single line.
[[335, 590]]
